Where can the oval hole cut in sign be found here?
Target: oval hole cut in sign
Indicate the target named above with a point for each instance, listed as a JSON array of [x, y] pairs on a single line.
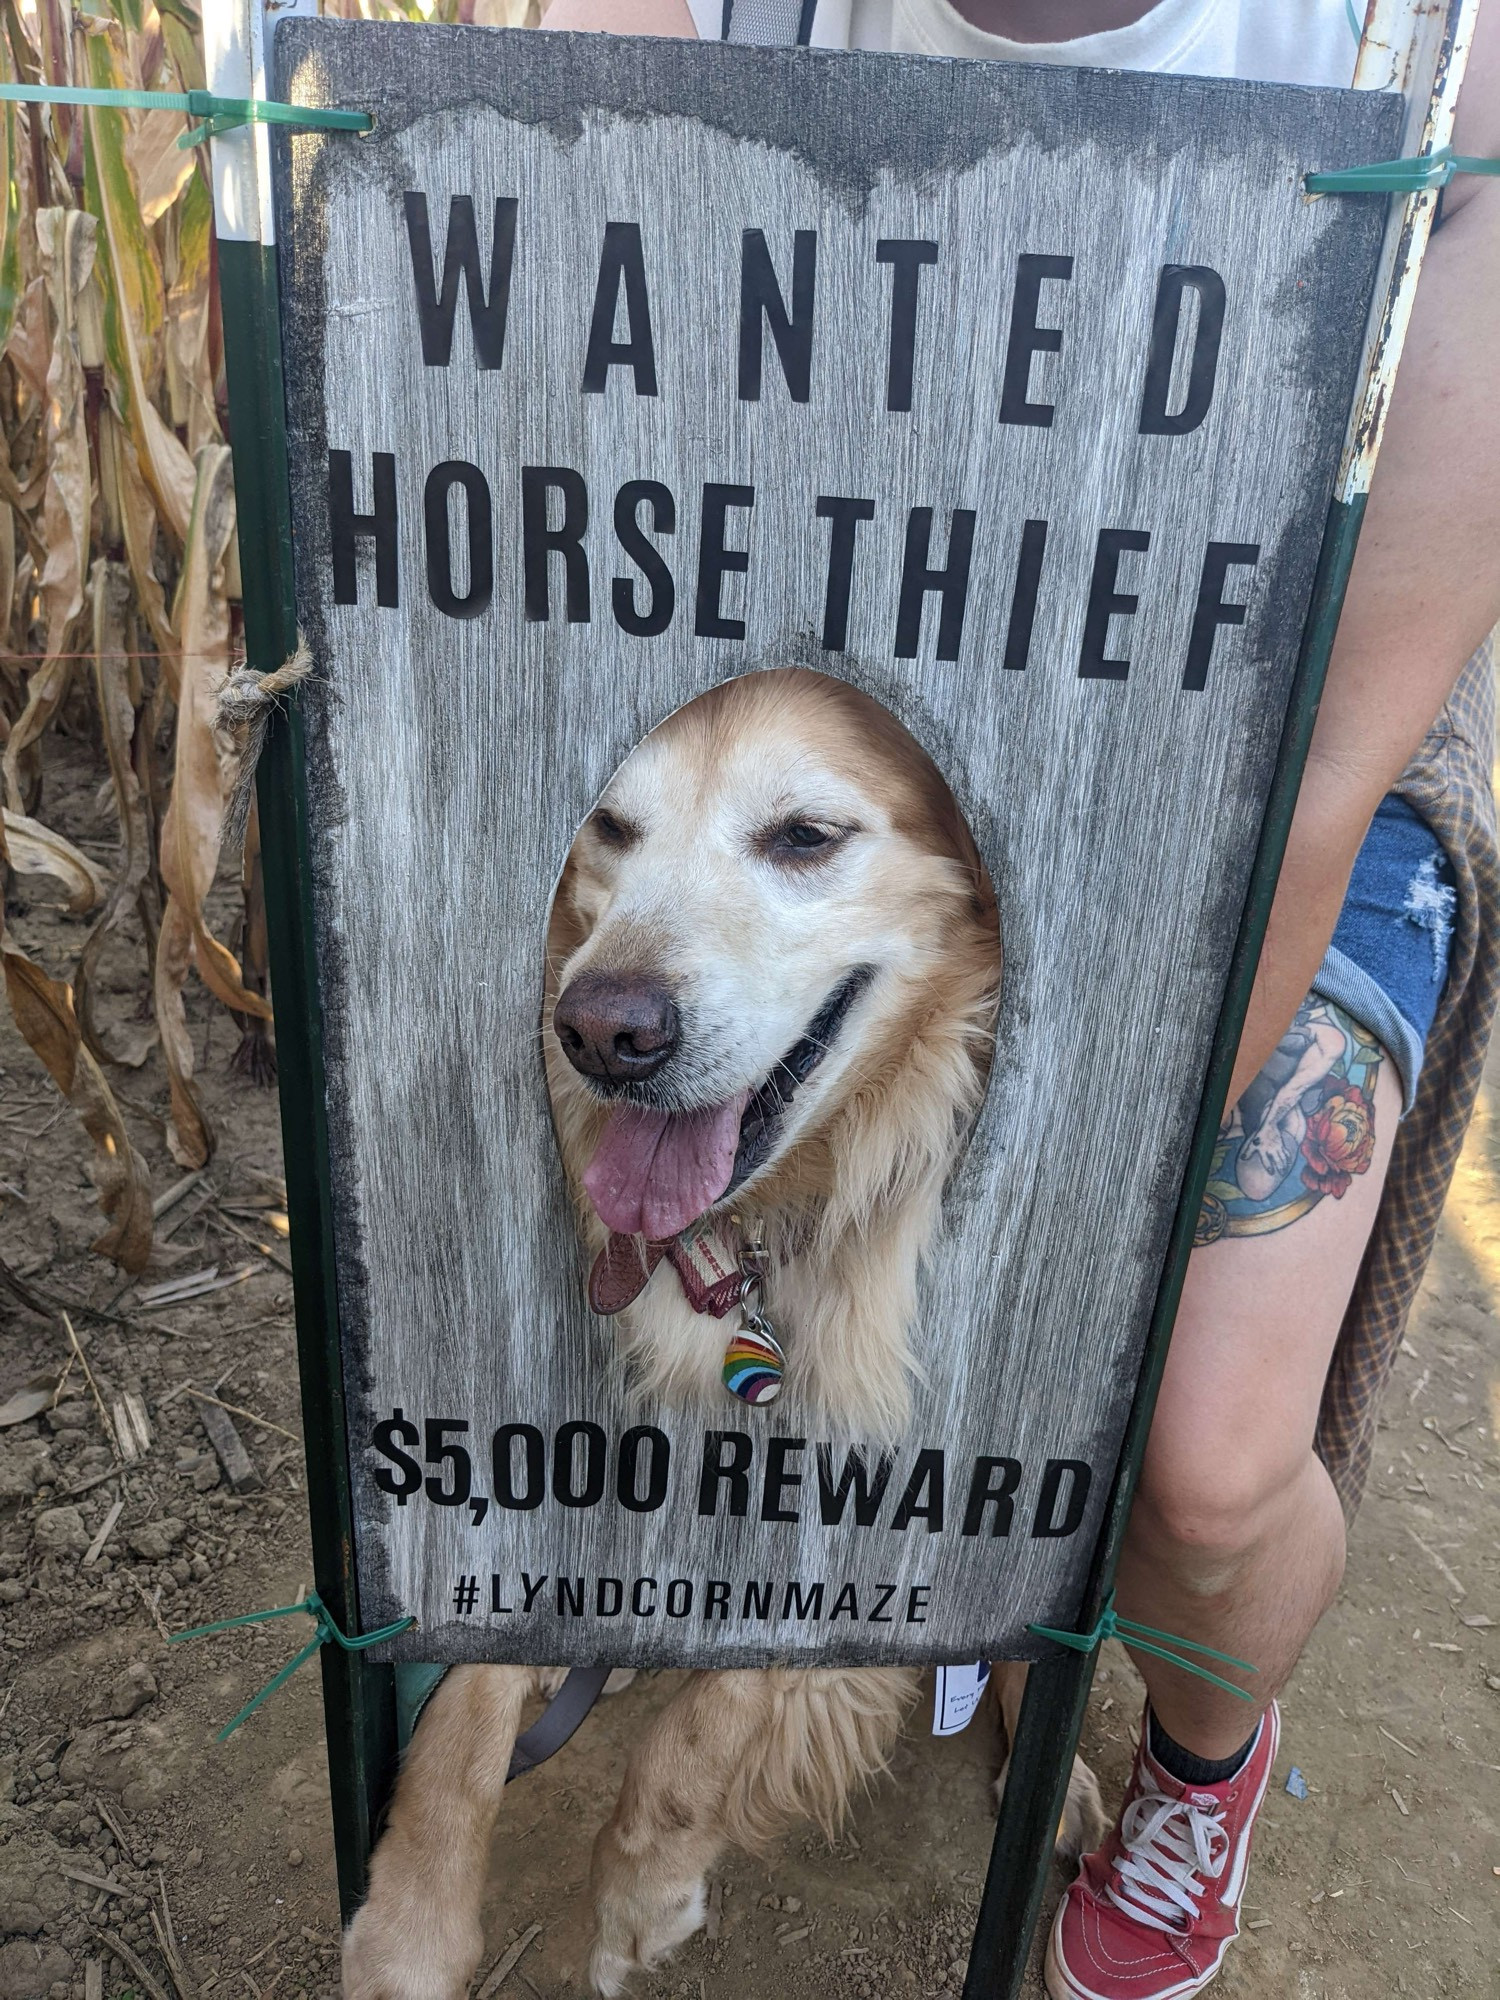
[[773, 972]]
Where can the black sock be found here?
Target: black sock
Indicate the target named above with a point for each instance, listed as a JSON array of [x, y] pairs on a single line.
[[1184, 1766]]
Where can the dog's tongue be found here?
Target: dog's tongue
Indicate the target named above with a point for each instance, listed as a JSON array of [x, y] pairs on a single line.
[[654, 1172]]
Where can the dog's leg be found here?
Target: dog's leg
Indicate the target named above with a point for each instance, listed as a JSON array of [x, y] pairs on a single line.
[[735, 1758], [419, 1935], [1083, 1826], [667, 1826]]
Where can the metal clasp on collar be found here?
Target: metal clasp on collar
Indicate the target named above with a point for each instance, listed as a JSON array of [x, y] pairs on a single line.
[[754, 1266], [754, 1361]]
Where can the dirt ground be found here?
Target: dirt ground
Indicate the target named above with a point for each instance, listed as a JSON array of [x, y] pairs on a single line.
[[123, 1823]]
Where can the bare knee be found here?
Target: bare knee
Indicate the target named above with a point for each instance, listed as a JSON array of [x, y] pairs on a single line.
[[1207, 1510]]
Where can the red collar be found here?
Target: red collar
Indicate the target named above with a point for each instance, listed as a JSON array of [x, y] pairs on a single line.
[[706, 1259]]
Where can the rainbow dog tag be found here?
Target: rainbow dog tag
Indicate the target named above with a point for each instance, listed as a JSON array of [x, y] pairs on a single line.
[[754, 1363]]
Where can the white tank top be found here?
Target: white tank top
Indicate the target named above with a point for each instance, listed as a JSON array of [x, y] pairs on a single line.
[[1268, 41]]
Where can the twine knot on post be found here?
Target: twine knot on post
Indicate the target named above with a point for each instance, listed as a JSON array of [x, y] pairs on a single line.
[[327, 1632], [246, 701]]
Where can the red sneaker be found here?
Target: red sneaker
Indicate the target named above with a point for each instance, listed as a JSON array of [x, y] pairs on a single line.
[[1152, 1914]]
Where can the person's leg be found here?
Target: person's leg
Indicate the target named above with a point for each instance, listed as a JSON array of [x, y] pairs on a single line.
[[1237, 1539]]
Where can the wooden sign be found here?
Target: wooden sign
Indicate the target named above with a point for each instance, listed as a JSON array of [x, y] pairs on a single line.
[[1011, 397]]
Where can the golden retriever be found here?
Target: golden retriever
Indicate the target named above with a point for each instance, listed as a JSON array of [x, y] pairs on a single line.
[[773, 975]]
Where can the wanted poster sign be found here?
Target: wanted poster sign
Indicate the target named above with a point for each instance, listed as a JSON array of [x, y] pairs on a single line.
[[806, 558]]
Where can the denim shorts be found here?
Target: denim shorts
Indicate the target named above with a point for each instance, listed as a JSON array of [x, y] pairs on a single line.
[[1388, 960]]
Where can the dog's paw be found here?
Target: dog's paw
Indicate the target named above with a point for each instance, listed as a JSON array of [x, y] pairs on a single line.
[[395, 1954], [636, 1929], [1083, 1824]]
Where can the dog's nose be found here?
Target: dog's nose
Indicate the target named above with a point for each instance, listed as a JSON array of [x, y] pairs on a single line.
[[618, 1027]]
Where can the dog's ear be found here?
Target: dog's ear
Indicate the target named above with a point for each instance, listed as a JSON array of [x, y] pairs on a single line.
[[948, 832], [923, 804]]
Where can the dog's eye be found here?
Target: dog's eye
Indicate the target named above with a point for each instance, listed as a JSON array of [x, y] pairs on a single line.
[[611, 830], [803, 840]]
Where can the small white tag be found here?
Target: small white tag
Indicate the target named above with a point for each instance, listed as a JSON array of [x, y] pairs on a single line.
[[956, 1697]]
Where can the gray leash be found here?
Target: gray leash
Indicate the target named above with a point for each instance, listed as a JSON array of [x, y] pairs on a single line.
[[769, 24], [558, 1720]]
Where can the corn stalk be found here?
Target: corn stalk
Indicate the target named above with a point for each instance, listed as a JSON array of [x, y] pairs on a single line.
[[116, 538], [118, 560]]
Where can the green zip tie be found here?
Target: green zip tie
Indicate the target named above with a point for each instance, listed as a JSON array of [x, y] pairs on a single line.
[[1355, 26], [327, 1630], [221, 114], [1425, 170], [1112, 1626]]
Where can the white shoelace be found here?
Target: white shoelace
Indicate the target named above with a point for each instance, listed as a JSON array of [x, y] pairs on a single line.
[[1169, 1845]]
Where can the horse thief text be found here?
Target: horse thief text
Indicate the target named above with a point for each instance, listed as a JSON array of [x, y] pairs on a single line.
[[552, 507]]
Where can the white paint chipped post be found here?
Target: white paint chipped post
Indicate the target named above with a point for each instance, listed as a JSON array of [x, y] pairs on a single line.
[[235, 38], [1122, 319], [1421, 50]]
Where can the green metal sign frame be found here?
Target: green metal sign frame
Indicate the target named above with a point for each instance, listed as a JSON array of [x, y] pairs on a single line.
[[358, 1695], [1407, 46]]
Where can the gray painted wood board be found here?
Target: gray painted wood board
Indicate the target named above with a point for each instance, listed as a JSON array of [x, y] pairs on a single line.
[[450, 760]]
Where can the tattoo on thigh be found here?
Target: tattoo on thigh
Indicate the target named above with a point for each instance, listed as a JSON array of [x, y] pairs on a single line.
[[1303, 1129]]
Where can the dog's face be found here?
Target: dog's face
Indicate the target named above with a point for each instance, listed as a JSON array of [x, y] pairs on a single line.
[[771, 886]]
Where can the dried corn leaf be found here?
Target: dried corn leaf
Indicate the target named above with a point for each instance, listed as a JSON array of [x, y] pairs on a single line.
[[133, 300], [7, 572], [113, 197], [190, 1137], [182, 31], [206, 764], [12, 277], [43, 1010], [131, 15], [45, 688], [66, 240], [21, 49], [30, 348], [201, 783], [109, 597], [54, 21], [91, 321], [159, 167], [54, 47], [25, 1404], [190, 380], [50, 133], [168, 468], [255, 1057], [25, 584], [11, 492], [54, 39], [109, 526], [120, 471], [13, 520], [36, 850]]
